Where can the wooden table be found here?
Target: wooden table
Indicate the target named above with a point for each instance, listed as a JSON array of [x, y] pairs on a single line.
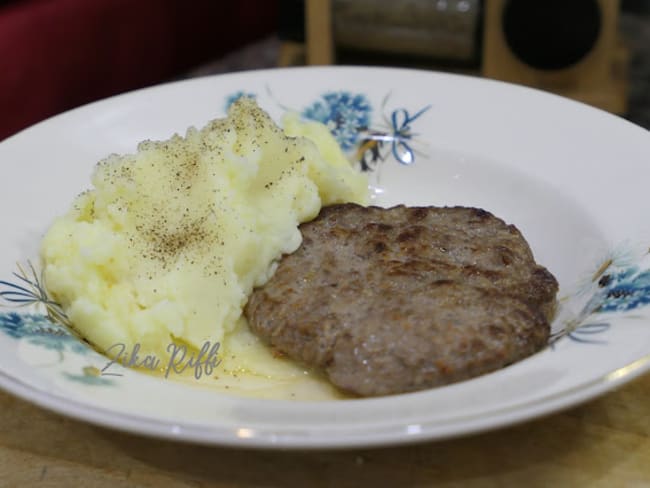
[[605, 443]]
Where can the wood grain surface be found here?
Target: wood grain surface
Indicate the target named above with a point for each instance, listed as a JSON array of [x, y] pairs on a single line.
[[604, 443]]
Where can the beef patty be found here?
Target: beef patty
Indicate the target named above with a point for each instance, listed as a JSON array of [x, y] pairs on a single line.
[[395, 300]]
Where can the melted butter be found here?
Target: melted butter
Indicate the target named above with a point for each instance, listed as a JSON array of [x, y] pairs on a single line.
[[248, 368]]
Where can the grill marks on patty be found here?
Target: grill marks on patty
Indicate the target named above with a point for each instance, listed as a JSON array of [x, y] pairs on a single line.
[[395, 300]]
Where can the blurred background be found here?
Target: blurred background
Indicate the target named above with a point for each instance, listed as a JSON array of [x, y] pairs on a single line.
[[59, 54]]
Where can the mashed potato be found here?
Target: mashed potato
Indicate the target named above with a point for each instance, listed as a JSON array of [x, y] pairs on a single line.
[[171, 240]]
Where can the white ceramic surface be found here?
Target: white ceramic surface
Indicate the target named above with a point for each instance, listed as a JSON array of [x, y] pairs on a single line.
[[570, 177]]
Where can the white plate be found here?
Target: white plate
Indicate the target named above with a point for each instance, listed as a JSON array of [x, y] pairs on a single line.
[[571, 177]]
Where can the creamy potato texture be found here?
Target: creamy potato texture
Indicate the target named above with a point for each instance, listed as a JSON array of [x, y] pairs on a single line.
[[171, 240]]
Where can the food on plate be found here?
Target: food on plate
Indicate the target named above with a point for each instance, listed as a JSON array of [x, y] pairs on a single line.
[[171, 240], [180, 242], [396, 300]]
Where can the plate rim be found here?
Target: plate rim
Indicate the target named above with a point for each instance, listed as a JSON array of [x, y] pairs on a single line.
[[197, 433], [151, 426]]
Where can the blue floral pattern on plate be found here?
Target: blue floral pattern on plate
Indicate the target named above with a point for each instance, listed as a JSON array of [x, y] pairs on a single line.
[[620, 285], [52, 331], [37, 329], [344, 113], [349, 117], [625, 290], [617, 288]]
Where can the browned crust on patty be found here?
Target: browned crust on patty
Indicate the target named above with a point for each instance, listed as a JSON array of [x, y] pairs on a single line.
[[394, 300]]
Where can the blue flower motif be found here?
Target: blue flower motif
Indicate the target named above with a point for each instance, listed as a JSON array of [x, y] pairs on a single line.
[[625, 290], [59, 343], [232, 98], [11, 324], [39, 330], [23, 325], [344, 114]]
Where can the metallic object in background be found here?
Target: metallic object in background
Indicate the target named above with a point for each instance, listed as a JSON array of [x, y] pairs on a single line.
[[440, 29]]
